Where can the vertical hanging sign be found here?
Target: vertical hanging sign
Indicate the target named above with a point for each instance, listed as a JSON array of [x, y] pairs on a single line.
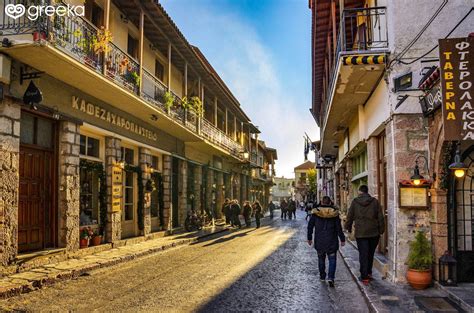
[[116, 188], [456, 57]]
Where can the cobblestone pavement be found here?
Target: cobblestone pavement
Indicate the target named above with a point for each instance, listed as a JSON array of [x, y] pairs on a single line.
[[270, 269]]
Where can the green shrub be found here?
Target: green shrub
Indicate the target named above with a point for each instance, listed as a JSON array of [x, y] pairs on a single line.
[[419, 257]]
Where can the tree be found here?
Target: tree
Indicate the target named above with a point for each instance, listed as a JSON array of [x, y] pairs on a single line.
[[312, 180]]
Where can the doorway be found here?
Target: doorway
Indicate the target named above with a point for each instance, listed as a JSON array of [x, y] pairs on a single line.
[[382, 188], [175, 192], [464, 215], [37, 209]]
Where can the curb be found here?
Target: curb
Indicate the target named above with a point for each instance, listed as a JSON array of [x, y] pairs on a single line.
[[52, 276], [367, 298]]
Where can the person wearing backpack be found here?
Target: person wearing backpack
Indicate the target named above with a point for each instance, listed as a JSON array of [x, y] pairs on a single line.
[[325, 224]]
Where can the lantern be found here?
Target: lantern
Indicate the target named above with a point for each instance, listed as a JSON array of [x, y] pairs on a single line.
[[447, 270]]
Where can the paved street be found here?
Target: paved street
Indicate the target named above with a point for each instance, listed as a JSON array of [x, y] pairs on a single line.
[[271, 268]]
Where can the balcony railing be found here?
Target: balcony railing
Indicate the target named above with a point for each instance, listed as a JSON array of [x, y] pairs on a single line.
[[77, 37], [361, 30], [218, 137]]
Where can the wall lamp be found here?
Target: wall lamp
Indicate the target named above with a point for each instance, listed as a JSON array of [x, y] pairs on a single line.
[[417, 179], [457, 166]]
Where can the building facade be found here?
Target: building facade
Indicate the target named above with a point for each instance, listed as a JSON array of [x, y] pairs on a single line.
[[112, 121], [368, 77], [302, 173], [283, 189]]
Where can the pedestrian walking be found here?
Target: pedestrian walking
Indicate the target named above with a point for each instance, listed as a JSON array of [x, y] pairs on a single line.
[[257, 209], [271, 208], [366, 213], [236, 211], [226, 211], [247, 210], [291, 209], [326, 226], [284, 209]]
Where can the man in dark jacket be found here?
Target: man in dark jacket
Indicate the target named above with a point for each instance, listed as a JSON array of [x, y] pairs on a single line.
[[226, 211], [235, 209], [271, 208], [247, 213], [257, 211], [284, 209], [365, 212], [326, 225]]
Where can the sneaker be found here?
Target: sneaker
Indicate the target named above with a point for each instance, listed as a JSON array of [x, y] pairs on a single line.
[[365, 282], [331, 283]]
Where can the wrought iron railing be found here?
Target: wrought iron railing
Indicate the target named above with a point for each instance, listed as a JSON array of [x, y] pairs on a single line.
[[364, 29], [218, 137], [77, 37], [17, 21]]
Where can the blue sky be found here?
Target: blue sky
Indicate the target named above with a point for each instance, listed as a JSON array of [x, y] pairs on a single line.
[[262, 50]]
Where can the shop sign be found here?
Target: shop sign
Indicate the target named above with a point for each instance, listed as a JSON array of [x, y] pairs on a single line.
[[432, 100], [32, 94], [456, 66], [413, 197], [116, 188], [112, 118]]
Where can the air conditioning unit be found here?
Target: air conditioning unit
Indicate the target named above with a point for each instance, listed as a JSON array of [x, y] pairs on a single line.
[[5, 69]]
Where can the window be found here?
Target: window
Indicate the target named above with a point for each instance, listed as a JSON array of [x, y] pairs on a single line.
[[159, 70], [89, 146], [94, 13], [359, 164], [89, 195], [36, 131], [132, 47], [129, 185]]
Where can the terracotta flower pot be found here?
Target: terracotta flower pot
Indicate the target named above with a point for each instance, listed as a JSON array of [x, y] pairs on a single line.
[[83, 243], [39, 35], [419, 279], [96, 240]]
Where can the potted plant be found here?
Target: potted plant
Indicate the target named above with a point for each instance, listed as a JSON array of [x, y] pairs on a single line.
[[168, 100], [96, 239], [419, 262], [86, 233], [197, 106]]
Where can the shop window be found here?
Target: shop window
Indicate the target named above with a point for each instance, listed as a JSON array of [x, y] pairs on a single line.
[[129, 186], [359, 164], [132, 47], [89, 195], [36, 131], [155, 163], [89, 146]]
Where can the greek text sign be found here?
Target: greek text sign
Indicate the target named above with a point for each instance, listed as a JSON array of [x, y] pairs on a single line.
[[112, 118], [456, 65], [116, 188]]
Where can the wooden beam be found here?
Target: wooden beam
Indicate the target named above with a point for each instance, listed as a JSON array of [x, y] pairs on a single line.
[[185, 79], [169, 66], [215, 111], [226, 121], [141, 46], [334, 33], [235, 128]]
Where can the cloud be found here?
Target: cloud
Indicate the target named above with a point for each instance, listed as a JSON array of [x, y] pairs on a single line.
[[249, 69]]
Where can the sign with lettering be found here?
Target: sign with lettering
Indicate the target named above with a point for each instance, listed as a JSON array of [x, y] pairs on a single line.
[[112, 118], [432, 100], [32, 94], [456, 57], [116, 188]]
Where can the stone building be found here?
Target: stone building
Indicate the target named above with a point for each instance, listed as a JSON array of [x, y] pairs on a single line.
[[283, 189], [112, 121], [370, 60]]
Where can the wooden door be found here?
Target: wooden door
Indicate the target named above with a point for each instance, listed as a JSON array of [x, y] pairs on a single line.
[[35, 210]]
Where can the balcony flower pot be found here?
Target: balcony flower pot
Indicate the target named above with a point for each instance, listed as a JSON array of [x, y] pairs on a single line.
[[39, 36], [96, 240], [419, 262], [83, 243]]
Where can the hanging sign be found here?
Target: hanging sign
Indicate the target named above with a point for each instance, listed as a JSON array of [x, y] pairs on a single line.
[[456, 57], [32, 94], [116, 188]]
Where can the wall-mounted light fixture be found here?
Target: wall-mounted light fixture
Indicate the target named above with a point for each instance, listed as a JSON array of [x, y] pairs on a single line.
[[458, 167]]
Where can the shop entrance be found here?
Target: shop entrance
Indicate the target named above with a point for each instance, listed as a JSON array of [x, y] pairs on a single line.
[[37, 212], [157, 203], [175, 192], [464, 226]]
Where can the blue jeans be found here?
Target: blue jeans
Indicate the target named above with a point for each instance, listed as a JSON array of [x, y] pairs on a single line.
[[322, 265]]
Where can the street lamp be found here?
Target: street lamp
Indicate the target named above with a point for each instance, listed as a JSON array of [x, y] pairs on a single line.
[[245, 154], [458, 167]]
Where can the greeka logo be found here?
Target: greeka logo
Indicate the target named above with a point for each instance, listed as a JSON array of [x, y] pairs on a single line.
[[33, 12]]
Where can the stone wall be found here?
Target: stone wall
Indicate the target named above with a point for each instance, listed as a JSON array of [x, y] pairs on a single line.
[[9, 179], [209, 183], [69, 185], [182, 189], [197, 188], [167, 192], [407, 138], [145, 162], [114, 219], [219, 193]]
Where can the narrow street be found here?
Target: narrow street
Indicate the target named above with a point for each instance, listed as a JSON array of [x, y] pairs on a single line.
[[268, 269]]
